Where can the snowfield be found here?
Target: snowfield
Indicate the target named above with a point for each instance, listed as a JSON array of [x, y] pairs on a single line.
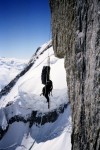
[[25, 97], [9, 68]]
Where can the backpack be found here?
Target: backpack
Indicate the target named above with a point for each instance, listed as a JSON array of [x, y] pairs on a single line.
[[45, 74], [47, 88]]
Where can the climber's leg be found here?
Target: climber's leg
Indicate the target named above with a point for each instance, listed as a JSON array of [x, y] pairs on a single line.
[[48, 100]]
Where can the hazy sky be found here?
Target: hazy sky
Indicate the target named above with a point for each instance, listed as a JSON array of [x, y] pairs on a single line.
[[24, 26]]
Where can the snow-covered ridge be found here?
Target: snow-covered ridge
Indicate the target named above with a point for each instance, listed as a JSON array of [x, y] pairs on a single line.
[[22, 107], [41, 50], [35, 56], [31, 75]]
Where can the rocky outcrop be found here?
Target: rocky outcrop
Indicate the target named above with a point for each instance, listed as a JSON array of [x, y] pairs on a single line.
[[36, 117], [76, 37]]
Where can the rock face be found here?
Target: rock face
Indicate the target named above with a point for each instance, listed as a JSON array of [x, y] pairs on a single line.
[[76, 37]]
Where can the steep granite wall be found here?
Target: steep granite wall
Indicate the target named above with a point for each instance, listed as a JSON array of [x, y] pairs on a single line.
[[76, 37]]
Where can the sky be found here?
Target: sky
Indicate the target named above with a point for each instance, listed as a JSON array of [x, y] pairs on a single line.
[[24, 26]]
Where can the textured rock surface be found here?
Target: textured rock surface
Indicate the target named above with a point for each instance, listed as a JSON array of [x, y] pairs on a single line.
[[76, 37]]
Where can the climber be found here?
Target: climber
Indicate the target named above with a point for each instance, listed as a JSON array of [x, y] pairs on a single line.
[[45, 78], [47, 89]]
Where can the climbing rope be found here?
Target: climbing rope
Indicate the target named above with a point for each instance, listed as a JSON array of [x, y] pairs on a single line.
[[43, 61], [32, 145]]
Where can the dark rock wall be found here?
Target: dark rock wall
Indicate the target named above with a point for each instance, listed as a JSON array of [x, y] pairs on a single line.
[[76, 37]]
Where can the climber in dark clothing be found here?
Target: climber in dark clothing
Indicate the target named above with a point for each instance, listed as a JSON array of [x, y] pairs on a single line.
[[45, 78], [46, 91]]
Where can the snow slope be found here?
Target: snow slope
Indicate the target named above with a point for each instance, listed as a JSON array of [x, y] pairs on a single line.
[[9, 68], [24, 98], [51, 136]]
